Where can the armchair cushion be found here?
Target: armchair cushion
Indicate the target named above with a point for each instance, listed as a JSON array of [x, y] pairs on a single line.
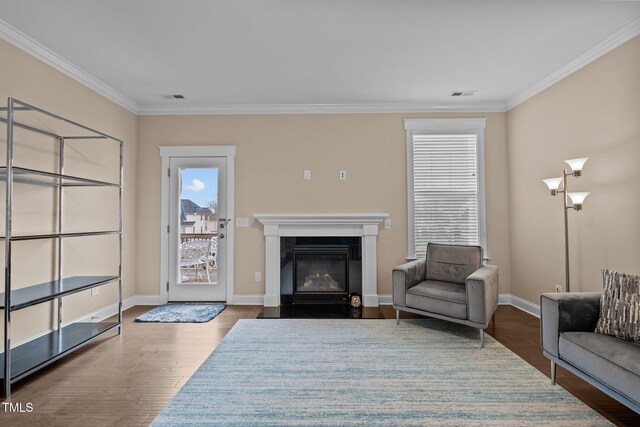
[[452, 263], [439, 297]]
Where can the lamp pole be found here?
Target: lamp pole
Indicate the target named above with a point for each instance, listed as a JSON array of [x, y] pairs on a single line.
[[565, 197]]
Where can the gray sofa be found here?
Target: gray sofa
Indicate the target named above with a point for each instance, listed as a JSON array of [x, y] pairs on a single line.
[[567, 324], [450, 284]]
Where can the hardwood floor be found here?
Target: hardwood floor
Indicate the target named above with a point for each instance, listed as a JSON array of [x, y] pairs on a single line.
[[127, 380]]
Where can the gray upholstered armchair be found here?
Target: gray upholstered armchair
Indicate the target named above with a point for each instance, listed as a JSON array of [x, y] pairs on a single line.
[[450, 284]]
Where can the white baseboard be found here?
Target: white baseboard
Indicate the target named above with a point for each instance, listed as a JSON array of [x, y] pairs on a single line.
[[145, 300], [385, 299], [240, 299], [522, 304]]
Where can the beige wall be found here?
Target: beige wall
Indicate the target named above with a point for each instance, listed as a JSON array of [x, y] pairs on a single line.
[[273, 151], [593, 113], [27, 79]]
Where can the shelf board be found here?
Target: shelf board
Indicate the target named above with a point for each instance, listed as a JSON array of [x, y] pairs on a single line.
[[38, 353], [50, 179], [56, 235], [36, 294]]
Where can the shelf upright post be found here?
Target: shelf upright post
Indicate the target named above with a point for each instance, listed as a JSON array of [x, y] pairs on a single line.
[[120, 237], [7, 253], [60, 206]]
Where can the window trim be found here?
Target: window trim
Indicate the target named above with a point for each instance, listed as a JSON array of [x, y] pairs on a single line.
[[450, 126]]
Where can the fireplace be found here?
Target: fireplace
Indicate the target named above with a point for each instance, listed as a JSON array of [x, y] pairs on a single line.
[[281, 226], [320, 270]]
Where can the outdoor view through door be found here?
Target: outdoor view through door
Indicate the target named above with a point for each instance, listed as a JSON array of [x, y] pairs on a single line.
[[198, 225], [198, 213]]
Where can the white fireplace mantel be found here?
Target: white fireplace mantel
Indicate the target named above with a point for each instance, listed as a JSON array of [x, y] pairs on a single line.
[[312, 225]]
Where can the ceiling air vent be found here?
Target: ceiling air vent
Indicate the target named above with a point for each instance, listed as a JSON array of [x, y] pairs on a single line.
[[173, 96], [463, 93]]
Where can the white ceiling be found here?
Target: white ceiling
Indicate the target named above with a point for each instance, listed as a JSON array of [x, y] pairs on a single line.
[[237, 54]]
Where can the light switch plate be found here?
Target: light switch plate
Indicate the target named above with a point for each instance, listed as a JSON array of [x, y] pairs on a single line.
[[242, 222], [95, 291], [387, 224], [307, 174], [343, 175], [258, 276]]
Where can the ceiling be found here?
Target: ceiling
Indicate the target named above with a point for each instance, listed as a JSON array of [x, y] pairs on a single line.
[[288, 55]]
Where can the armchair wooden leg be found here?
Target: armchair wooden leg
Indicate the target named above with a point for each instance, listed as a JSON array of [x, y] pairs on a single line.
[[481, 338], [493, 320], [553, 373], [397, 317]]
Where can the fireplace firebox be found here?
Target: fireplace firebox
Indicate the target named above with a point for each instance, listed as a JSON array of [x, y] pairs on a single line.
[[320, 270], [321, 274]]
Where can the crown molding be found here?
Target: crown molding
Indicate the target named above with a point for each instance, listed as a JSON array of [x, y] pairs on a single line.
[[621, 36], [172, 110], [44, 54]]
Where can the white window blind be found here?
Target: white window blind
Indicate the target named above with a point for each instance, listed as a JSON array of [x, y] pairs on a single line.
[[445, 190]]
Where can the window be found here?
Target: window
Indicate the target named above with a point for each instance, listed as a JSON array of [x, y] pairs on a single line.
[[445, 181]]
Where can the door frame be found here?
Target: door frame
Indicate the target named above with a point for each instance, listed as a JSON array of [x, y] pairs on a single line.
[[167, 152]]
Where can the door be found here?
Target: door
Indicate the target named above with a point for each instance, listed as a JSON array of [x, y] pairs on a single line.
[[197, 225]]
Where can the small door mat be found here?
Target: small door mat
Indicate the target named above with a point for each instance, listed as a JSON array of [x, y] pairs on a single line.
[[182, 313]]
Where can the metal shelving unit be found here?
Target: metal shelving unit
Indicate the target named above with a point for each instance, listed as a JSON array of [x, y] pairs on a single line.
[[20, 361]]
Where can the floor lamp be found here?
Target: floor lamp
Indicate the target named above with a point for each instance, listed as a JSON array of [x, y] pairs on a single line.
[[560, 185]]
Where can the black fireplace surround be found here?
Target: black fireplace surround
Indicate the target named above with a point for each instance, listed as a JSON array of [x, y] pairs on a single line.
[[320, 270]]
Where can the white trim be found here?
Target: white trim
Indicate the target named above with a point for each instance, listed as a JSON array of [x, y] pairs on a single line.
[[329, 218], [197, 150], [286, 224], [428, 126], [169, 151], [231, 225], [621, 36], [526, 306], [385, 299], [44, 54], [242, 299], [504, 299], [520, 303], [147, 300], [172, 110]]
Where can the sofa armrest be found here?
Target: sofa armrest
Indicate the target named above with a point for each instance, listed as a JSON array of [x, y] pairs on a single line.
[[566, 311], [406, 276], [482, 294]]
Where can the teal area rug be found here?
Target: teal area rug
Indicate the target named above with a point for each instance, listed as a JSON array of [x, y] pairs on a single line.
[[305, 372], [181, 313]]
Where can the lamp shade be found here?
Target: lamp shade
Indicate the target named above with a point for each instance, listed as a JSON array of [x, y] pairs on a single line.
[[554, 184], [576, 164], [577, 199]]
